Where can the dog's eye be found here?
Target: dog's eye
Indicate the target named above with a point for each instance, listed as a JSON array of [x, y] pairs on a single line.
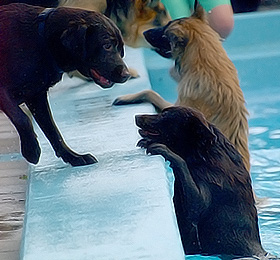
[[107, 46]]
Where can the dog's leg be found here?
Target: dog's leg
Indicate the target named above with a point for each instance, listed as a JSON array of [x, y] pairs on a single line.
[[146, 96], [40, 109], [194, 197], [189, 199], [30, 148]]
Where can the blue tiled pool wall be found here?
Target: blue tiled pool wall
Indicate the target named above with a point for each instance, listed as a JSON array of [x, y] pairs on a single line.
[[254, 48]]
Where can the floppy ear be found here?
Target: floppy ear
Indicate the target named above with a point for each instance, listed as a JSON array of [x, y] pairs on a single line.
[[74, 39], [199, 13], [204, 131]]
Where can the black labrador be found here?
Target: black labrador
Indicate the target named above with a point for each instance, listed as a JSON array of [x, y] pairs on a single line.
[[36, 46], [213, 195]]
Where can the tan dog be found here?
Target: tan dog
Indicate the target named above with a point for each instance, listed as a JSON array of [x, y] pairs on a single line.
[[132, 17], [208, 80]]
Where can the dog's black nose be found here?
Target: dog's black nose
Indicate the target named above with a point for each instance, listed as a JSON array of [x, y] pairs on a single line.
[[121, 73]]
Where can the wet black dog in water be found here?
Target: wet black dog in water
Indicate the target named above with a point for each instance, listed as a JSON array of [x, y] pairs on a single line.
[[213, 196], [36, 47]]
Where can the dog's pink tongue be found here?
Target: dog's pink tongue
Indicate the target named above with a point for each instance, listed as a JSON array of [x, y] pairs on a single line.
[[104, 81], [101, 79]]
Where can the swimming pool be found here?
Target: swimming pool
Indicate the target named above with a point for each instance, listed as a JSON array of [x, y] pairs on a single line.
[[121, 208], [254, 49]]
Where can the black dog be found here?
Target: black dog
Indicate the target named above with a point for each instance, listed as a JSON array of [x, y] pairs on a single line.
[[36, 47], [213, 196]]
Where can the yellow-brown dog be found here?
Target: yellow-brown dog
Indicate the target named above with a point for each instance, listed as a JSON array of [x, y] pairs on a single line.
[[207, 79]]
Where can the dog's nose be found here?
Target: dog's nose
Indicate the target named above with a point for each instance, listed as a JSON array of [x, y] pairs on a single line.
[[122, 73], [125, 74]]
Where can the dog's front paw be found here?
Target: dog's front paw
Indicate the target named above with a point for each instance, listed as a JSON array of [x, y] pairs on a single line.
[[144, 143], [31, 150], [157, 149], [126, 100], [119, 102], [166, 153], [77, 159]]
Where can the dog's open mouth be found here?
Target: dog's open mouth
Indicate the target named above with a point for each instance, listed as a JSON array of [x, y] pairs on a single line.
[[148, 137], [149, 133], [100, 80]]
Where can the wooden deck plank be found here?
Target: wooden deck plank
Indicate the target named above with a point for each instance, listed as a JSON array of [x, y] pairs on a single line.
[[13, 172]]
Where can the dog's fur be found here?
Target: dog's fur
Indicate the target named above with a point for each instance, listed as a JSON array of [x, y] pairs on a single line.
[[208, 80], [132, 17], [36, 49], [213, 196], [135, 17]]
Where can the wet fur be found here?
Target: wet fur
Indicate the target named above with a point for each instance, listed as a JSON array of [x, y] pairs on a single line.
[[213, 196], [208, 80], [32, 60]]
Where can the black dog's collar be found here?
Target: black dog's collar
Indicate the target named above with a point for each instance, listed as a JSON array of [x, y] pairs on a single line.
[[42, 20], [42, 17]]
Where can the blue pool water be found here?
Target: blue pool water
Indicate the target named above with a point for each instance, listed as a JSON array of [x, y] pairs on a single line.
[[254, 49]]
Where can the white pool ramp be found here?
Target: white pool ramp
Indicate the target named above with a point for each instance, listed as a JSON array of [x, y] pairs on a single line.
[[118, 209]]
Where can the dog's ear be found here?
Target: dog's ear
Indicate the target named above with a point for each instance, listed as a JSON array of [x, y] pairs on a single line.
[[177, 38], [199, 13], [203, 130], [74, 39]]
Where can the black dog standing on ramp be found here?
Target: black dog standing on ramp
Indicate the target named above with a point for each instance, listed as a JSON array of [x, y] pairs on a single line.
[[36, 46], [213, 197]]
